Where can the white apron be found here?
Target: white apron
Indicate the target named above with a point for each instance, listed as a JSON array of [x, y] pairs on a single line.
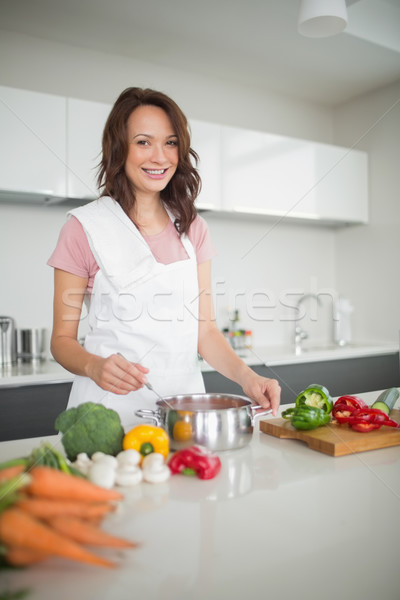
[[145, 310]]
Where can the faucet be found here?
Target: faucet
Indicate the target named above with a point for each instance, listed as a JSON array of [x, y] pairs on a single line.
[[299, 333]]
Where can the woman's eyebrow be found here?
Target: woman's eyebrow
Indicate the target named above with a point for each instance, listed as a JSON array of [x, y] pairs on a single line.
[[172, 135]]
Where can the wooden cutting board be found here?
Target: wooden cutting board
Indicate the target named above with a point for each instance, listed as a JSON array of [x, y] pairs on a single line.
[[334, 439]]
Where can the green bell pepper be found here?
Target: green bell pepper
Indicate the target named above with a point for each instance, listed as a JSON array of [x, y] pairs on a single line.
[[317, 396], [306, 417]]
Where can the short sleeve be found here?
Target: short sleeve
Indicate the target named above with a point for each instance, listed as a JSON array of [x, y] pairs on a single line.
[[72, 252], [199, 235]]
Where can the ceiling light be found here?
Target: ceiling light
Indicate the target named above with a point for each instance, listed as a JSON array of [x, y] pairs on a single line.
[[322, 18]]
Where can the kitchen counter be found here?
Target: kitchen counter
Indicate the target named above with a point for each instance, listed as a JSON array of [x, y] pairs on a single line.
[[280, 521], [36, 371], [48, 371]]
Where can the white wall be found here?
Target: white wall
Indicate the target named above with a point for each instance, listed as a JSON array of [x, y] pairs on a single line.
[[41, 65], [275, 259], [367, 258]]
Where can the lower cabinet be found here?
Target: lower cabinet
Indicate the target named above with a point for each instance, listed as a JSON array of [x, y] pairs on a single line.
[[30, 410], [346, 376]]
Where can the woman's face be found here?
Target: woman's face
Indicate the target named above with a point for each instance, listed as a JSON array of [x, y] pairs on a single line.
[[153, 150]]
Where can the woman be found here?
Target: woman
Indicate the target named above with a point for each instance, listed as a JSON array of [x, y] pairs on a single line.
[[143, 257]]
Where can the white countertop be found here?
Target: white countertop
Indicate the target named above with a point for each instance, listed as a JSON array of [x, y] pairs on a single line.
[[285, 355], [280, 521], [48, 371]]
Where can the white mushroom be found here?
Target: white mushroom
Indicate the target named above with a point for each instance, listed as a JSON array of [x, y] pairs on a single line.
[[154, 468], [107, 459], [102, 474], [129, 457], [128, 475], [82, 463]]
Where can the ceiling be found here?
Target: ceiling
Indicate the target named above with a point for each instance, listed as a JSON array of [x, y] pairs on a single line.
[[254, 42]]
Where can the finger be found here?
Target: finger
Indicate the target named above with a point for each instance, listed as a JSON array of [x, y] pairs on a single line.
[[127, 371], [134, 369], [141, 368], [118, 385], [275, 397]]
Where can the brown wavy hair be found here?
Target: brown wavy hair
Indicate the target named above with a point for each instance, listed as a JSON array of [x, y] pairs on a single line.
[[182, 190]]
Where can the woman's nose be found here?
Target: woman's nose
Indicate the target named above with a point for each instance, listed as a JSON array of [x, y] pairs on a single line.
[[158, 154]]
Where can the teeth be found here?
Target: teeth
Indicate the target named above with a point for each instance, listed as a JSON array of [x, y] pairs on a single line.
[[155, 171]]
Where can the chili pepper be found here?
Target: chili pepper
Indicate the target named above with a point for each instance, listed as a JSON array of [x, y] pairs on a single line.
[[351, 401], [306, 417], [317, 396], [147, 439], [195, 460]]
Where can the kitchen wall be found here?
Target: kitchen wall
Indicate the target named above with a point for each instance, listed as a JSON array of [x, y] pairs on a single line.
[[262, 266], [367, 258]]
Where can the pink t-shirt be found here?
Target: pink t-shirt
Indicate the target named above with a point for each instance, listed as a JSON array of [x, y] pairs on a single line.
[[73, 253]]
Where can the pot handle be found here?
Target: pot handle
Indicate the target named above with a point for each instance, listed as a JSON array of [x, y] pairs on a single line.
[[254, 414], [146, 413]]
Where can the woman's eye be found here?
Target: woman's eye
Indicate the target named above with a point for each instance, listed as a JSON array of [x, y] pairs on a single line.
[[172, 142], [142, 142]]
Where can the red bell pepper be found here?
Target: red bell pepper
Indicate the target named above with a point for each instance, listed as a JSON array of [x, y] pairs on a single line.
[[361, 419], [343, 413], [364, 427], [370, 415], [195, 460], [351, 401]]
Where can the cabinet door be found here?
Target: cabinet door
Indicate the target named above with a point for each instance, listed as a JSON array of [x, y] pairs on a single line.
[[266, 174], [275, 175], [206, 141], [341, 187], [32, 142], [85, 124]]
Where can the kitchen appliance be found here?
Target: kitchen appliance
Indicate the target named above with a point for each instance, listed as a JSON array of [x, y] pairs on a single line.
[[8, 351], [216, 421], [31, 344], [335, 439]]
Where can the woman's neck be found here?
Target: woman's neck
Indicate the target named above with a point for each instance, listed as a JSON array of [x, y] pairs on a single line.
[[149, 215]]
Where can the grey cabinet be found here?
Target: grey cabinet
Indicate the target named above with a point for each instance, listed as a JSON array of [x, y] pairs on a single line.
[[30, 410], [346, 376]]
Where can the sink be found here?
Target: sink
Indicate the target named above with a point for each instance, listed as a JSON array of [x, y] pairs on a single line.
[[346, 348]]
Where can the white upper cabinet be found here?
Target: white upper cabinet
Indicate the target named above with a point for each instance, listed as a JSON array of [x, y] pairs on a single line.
[[206, 142], [85, 124], [341, 188], [286, 177], [33, 142], [50, 148]]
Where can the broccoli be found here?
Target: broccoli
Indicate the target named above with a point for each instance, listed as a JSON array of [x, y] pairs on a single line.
[[90, 428]]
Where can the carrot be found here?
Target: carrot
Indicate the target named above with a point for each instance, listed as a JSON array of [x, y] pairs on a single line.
[[45, 508], [22, 557], [17, 528], [9, 472], [51, 483], [86, 533]]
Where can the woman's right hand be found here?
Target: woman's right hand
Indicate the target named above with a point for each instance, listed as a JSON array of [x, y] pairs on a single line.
[[116, 374]]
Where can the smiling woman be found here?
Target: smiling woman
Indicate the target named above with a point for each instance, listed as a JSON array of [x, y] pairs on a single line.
[[129, 125], [143, 255], [153, 153]]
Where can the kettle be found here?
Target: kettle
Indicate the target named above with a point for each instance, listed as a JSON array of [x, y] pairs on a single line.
[[8, 346]]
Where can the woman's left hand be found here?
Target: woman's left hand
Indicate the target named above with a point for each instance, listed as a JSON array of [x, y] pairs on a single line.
[[266, 392]]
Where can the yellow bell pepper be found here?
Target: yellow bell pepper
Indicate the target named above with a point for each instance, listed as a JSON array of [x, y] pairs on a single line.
[[182, 431], [147, 439]]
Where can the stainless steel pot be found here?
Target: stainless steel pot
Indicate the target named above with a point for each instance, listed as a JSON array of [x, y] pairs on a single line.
[[8, 349], [216, 421], [31, 344]]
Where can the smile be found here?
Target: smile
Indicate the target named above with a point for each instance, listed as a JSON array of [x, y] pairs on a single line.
[[155, 171]]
